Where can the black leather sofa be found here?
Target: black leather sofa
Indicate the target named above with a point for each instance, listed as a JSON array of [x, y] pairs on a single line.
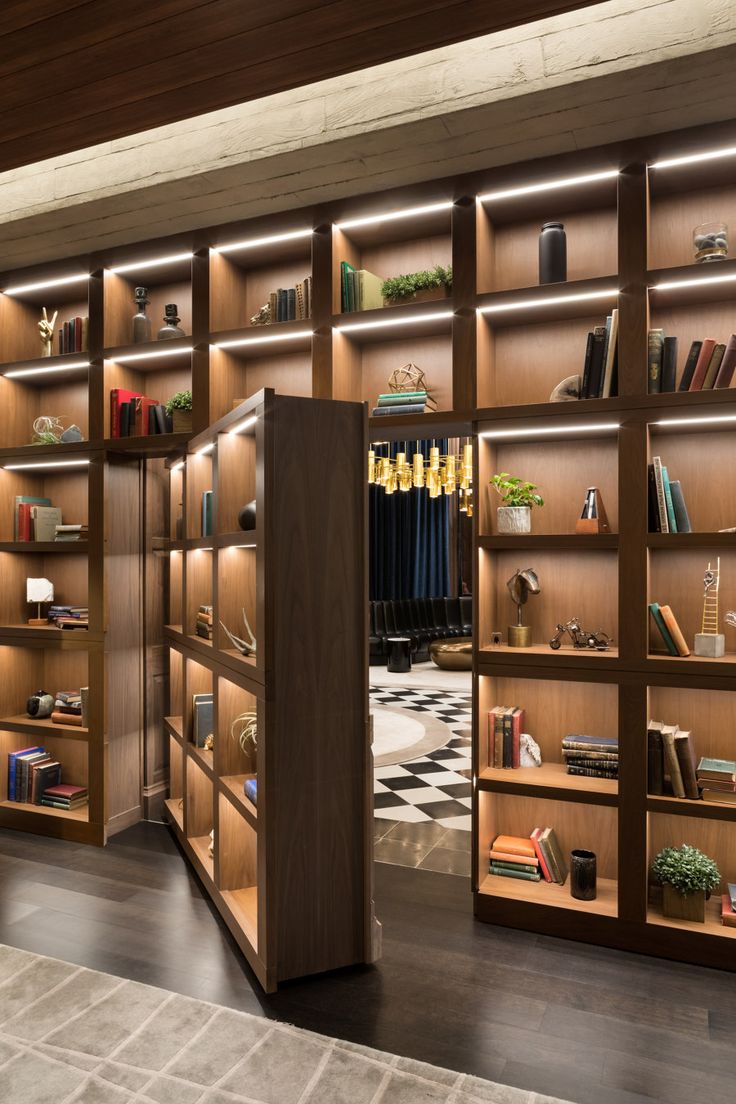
[[422, 620]]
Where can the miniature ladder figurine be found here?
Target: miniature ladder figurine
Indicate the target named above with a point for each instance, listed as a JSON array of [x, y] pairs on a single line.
[[709, 642]]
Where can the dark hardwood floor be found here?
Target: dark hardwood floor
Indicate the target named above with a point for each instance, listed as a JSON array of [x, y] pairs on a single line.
[[582, 1023]]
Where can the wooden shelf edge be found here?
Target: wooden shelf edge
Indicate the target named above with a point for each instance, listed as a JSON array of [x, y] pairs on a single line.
[[553, 541], [527, 788], [552, 896], [201, 758], [676, 541], [708, 810], [43, 727], [237, 798], [80, 547]]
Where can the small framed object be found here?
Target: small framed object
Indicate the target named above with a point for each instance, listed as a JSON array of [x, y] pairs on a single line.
[[593, 518]]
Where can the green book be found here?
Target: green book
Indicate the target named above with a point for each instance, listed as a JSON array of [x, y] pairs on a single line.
[[527, 868], [668, 501], [515, 874], [659, 621], [402, 396]]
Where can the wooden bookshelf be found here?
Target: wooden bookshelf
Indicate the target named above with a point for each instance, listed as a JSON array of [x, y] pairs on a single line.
[[291, 874]]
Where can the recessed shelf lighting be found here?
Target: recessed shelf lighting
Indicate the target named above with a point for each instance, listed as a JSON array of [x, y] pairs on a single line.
[[130, 358], [672, 285], [551, 431], [394, 216], [555, 300], [696, 421], [547, 186], [254, 243], [62, 281], [47, 464], [264, 339], [178, 466], [204, 550], [17, 373], [234, 546], [205, 449], [385, 323], [156, 262], [242, 426], [694, 158]]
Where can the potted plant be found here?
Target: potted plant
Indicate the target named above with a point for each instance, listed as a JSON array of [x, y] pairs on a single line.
[[687, 877], [433, 283], [518, 497], [179, 407]]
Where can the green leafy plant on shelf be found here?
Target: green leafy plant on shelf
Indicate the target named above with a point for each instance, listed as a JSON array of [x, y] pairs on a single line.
[[182, 400], [515, 492], [687, 870], [407, 286]]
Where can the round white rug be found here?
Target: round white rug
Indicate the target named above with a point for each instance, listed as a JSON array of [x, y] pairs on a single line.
[[400, 735]]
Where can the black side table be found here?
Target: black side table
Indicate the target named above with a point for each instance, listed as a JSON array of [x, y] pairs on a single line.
[[399, 654]]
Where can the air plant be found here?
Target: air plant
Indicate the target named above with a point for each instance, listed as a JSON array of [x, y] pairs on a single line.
[[243, 646]]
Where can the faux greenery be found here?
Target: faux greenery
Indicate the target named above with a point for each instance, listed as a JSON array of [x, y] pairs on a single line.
[[403, 287], [182, 400], [686, 869], [515, 492]]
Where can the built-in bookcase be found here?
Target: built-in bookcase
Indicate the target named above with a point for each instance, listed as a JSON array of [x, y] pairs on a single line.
[[290, 873]]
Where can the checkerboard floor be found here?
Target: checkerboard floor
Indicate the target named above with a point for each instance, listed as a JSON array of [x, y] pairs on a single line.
[[435, 787]]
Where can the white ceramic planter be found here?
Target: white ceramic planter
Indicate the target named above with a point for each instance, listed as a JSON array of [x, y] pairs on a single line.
[[514, 519]]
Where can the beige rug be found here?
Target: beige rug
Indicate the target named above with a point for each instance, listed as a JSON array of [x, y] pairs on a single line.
[[74, 1036]]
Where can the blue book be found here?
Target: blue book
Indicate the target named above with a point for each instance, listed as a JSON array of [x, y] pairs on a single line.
[[659, 621], [13, 767], [250, 789], [668, 499]]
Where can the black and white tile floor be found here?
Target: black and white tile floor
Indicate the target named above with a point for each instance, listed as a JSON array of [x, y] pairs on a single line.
[[422, 807]]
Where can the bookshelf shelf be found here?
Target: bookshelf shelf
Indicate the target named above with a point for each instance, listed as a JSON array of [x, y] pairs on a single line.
[[715, 810], [550, 895], [42, 726], [711, 927], [200, 848], [550, 542], [80, 815], [175, 811], [243, 904], [674, 542], [232, 787], [175, 726], [534, 781], [45, 548], [204, 759], [565, 657], [153, 356], [549, 302]]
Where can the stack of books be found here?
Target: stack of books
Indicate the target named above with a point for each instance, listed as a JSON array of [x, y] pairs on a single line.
[[204, 622], [69, 617], [135, 415], [717, 780], [359, 289], [289, 304], [250, 789], [669, 629], [667, 509], [30, 772], [591, 756], [68, 708], [709, 366], [534, 858], [728, 902], [70, 533], [35, 519], [671, 762], [65, 798], [505, 726], [73, 335], [600, 370], [404, 402]]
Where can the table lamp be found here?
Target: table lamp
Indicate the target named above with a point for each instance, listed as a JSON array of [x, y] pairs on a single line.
[[38, 591]]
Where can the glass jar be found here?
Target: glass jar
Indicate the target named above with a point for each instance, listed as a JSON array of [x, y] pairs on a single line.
[[710, 242]]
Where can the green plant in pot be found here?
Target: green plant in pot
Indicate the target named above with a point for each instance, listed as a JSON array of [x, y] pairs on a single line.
[[179, 407], [687, 877], [518, 498], [433, 283]]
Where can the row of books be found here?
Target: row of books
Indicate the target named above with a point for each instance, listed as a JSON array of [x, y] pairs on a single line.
[[531, 859], [135, 415], [70, 708], [600, 371], [34, 777], [404, 402], [289, 304], [674, 769], [710, 364], [728, 907], [204, 622], [69, 617], [73, 335], [203, 707], [667, 508], [505, 726], [359, 289], [591, 756], [669, 629], [35, 519]]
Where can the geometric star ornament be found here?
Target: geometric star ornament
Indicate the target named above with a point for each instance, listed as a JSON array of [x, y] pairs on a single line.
[[407, 378]]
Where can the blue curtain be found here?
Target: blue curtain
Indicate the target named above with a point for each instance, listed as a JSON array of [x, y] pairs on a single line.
[[409, 536]]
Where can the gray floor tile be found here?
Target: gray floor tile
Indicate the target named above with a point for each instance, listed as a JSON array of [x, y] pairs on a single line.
[[400, 853], [445, 861], [427, 832]]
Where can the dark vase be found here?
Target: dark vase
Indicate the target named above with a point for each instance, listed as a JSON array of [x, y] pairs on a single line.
[[171, 327], [247, 516], [141, 321], [552, 253], [583, 875]]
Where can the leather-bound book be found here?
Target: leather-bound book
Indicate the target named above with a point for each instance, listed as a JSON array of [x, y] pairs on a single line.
[[687, 759], [728, 916], [713, 367], [689, 370], [671, 762], [515, 845], [669, 364], [706, 352], [655, 759], [675, 632], [728, 364], [654, 361]]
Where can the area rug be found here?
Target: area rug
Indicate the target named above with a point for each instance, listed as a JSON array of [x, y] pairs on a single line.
[[69, 1035]]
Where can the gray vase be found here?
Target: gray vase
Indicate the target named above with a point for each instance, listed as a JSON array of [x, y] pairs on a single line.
[[171, 327], [141, 321]]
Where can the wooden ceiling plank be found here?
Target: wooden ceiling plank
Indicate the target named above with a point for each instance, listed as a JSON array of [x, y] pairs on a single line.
[[18, 14]]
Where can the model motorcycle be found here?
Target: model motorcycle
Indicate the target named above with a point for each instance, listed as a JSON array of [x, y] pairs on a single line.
[[579, 637]]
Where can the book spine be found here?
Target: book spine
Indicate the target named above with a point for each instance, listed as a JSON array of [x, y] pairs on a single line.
[[654, 523], [508, 742], [498, 741], [655, 763], [540, 856], [654, 361], [674, 629], [706, 352], [682, 518], [684, 752], [728, 364], [571, 744], [668, 500], [516, 874], [592, 772], [662, 627], [550, 859], [689, 370], [525, 867], [661, 500], [669, 364], [713, 367], [585, 386], [672, 764]]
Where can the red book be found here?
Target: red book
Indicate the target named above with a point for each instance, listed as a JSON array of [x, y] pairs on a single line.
[[542, 863], [142, 405], [71, 793], [728, 916], [118, 396], [728, 364], [706, 352], [24, 521]]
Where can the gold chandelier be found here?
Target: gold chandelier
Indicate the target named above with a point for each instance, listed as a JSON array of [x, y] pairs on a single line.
[[441, 474]]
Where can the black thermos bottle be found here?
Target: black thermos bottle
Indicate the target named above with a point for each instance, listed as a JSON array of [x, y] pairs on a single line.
[[552, 253]]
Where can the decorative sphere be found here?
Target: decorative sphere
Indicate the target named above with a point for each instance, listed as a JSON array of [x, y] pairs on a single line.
[[247, 516]]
